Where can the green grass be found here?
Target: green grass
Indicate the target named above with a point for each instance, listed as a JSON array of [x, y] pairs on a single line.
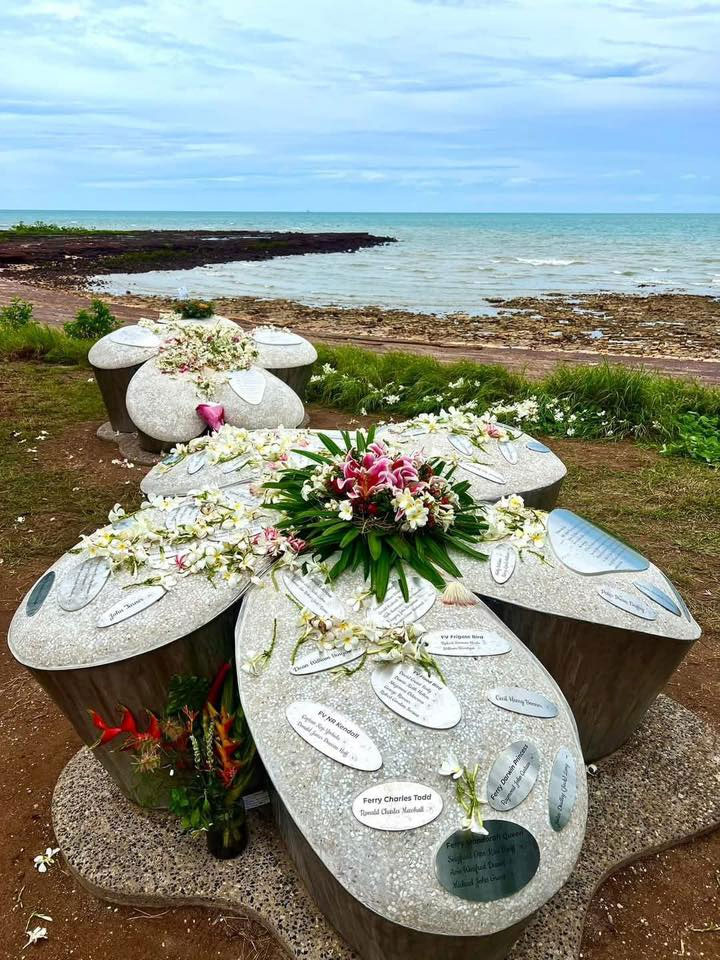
[[40, 228], [36, 341]]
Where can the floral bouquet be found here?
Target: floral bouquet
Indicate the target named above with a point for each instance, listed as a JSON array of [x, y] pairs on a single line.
[[380, 508]]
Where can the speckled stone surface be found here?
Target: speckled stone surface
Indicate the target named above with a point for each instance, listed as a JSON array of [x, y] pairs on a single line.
[[108, 354], [164, 405], [550, 586], [395, 875], [280, 356], [533, 472], [636, 805]]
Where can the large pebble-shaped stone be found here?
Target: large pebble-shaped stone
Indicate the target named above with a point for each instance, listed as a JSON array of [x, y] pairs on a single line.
[[108, 353]]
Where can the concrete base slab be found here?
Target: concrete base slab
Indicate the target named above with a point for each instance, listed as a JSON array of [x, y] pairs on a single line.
[[128, 444], [661, 788]]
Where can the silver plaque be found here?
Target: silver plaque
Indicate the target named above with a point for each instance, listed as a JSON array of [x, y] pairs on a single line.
[[135, 336], [503, 560], [333, 734], [462, 444], [513, 775], [280, 338], [416, 695], [310, 659], [509, 451], [659, 596], [585, 548], [230, 466], [537, 447], [487, 868], [181, 516], [39, 593], [314, 594], [563, 789], [195, 462], [518, 700], [398, 805], [82, 583], [470, 642], [394, 611], [249, 385], [480, 470], [627, 602], [171, 459], [137, 599]]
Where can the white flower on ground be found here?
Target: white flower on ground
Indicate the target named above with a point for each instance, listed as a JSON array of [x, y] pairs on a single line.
[[37, 933], [44, 860], [472, 824], [20, 519], [451, 767]]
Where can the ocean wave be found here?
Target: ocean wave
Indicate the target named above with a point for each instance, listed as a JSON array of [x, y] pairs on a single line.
[[660, 269], [549, 262]]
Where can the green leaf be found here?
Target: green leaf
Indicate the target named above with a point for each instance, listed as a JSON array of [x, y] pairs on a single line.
[[330, 444], [349, 537], [375, 545], [382, 574], [402, 582], [184, 691], [399, 545]]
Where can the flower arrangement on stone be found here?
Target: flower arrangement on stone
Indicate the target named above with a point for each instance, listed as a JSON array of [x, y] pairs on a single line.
[[201, 738], [379, 508], [523, 527], [467, 793], [479, 429], [264, 449]]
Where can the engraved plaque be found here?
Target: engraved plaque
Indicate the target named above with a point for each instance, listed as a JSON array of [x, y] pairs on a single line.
[[503, 560], [280, 338], [537, 447], [241, 492], [182, 515], [230, 466], [137, 599], [82, 583], [466, 643], [658, 595], [171, 459], [518, 700], [415, 695], [195, 462], [249, 385], [586, 548], [135, 336], [398, 805], [462, 444], [513, 775], [310, 659], [627, 602], [39, 593], [333, 734], [480, 470], [509, 451], [313, 593], [483, 869], [394, 612], [563, 789]]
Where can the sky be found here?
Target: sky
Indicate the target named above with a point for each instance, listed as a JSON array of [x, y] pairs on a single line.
[[328, 105]]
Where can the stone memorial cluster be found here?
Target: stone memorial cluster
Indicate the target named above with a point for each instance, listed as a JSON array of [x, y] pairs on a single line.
[[427, 653]]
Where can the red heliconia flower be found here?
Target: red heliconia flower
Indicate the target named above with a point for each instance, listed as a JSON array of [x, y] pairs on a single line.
[[212, 413], [217, 683], [107, 733]]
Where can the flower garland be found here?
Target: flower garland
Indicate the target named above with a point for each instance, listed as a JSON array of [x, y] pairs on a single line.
[[263, 448], [467, 793], [525, 527], [380, 508], [480, 430]]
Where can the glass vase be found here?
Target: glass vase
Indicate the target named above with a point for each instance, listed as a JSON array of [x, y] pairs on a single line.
[[228, 836]]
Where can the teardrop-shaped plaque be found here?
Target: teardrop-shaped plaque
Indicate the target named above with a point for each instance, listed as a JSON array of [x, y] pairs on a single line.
[[509, 451], [82, 583], [39, 593], [135, 336], [627, 602], [658, 596], [416, 695], [398, 805], [249, 385], [462, 444], [480, 470], [563, 789], [311, 660], [334, 734], [487, 868], [280, 338], [230, 466], [513, 775], [537, 447], [312, 593], [181, 516], [137, 599], [587, 549], [196, 461], [394, 611], [530, 703], [503, 560], [466, 643]]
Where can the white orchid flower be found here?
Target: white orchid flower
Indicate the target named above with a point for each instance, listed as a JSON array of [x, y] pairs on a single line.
[[451, 767]]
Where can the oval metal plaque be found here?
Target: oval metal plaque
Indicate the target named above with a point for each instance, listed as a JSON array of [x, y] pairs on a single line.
[[658, 596], [333, 734], [171, 459], [537, 447], [135, 336], [462, 444], [563, 789], [39, 593], [249, 385], [397, 805], [280, 338], [503, 560], [137, 600], [627, 602], [417, 696], [394, 612], [195, 462], [513, 775], [181, 516], [509, 451], [518, 700], [586, 548], [480, 470], [311, 660], [466, 643], [82, 583], [483, 869], [314, 594], [230, 466]]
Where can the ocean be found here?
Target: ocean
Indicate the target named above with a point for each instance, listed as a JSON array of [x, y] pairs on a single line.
[[441, 263]]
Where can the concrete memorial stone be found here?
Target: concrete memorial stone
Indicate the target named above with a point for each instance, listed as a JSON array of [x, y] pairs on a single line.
[[371, 824], [286, 355], [604, 620], [115, 359]]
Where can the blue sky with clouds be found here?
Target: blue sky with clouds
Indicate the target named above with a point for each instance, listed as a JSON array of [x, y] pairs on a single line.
[[411, 105]]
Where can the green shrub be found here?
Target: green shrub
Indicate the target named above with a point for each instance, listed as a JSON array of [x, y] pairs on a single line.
[[695, 436], [91, 324], [37, 341], [17, 313], [195, 309]]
